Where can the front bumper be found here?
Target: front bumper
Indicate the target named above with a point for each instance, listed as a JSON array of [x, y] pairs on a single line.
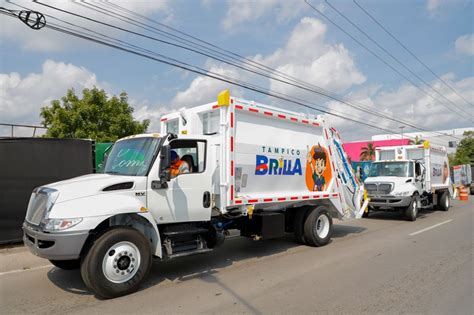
[[54, 246], [389, 201]]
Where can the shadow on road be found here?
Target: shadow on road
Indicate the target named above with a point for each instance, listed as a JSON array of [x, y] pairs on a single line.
[[204, 267], [398, 215]]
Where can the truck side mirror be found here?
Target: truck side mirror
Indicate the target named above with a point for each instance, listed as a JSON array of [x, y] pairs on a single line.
[[165, 163]]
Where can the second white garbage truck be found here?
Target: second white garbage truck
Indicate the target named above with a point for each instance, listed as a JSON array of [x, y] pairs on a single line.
[[409, 178], [250, 167]]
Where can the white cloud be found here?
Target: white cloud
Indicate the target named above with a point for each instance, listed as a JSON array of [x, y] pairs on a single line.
[[204, 89], [432, 5], [242, 11], [406, 103], [465, 45], [307, 56], [47, 40], [22, 97]]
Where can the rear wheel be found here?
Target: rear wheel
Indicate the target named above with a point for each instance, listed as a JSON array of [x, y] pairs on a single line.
[[67, 264], [443, 202], [411, 212], [117, 262], [318, 227]]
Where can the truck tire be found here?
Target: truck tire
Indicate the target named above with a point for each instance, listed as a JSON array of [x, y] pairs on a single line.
[[67, 264], [366, 212], [298, 224], [443, 202], [117, 262], [318, 227], [411, 212]]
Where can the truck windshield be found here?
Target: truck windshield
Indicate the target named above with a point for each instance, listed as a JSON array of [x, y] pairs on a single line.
[[399, 169], [131, 157]]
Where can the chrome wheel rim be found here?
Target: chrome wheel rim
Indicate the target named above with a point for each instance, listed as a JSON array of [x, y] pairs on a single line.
[[447, 202], [121, 262], [414, 208], [322, 226]]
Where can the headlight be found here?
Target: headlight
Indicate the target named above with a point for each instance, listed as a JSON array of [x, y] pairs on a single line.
[[402, 193], [60, 224]]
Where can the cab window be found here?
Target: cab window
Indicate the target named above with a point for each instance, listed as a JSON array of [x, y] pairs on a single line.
[[193, 152]]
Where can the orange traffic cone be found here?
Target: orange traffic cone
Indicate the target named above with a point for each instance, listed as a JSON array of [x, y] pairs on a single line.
[[463, 193]]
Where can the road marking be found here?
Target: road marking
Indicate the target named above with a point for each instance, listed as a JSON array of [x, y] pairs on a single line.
[[21, 270], [431, 227]]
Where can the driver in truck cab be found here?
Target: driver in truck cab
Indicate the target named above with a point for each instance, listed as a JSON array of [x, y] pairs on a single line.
[[178, 166]]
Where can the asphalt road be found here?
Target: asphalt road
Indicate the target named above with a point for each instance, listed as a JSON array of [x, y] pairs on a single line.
[[377, 265]]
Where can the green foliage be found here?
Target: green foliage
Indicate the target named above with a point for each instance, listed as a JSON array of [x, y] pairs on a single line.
[[465, 150], [367, 153], [415, 141], [93, 116]]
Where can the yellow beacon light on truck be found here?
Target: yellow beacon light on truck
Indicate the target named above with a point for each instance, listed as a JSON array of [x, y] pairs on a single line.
[[223, 98], [426, 144]]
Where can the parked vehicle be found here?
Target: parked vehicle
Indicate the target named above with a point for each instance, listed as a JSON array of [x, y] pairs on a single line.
[[463, 176], [251, 167], [409, 178]]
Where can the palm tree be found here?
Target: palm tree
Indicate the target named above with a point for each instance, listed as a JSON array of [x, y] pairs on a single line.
[[368, 152], [417, 140]]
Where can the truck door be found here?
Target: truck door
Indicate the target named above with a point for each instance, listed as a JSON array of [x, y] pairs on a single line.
[[420, 177], [187, 195]]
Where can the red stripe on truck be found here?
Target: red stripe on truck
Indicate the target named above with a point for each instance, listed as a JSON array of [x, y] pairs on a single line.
[[215, 106], [253, 200], [325, 195], [254, 110], [231, 120], [231, 144], [305, 197], [315, 124], [268, 113], [293, 119], [239, 107], [294, 198], [304, 121], [281, 199], [268, 199], [238, 201], [164, 119], [232, 168], [326, 132], [231, 192], [281, 116]]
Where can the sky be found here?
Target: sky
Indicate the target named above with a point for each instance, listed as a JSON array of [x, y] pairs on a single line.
[[38, 66]]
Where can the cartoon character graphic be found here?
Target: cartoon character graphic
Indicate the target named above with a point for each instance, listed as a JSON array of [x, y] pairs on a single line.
[[318, 173], [445, 172]]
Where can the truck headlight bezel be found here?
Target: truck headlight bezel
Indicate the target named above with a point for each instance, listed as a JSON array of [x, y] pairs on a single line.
[[57, 224]]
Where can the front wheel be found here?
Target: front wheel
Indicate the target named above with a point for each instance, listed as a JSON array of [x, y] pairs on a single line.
[[117, 262], [318, 227], [411, 211], [67, 264]]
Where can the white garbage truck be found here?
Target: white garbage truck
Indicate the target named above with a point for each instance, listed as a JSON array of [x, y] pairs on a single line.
[[227, 165], [409, 178]]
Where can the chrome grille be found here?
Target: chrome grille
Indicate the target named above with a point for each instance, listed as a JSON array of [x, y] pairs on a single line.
[[378, 188], [36, 207]]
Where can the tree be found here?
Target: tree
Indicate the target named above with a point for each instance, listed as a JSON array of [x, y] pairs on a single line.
[[95, 116], [417, 140], [367, 153], [465, 150]]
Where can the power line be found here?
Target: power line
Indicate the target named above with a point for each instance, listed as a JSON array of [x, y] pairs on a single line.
[[409, 51], [197, 70], [393, 57], [154, 30], [204, 72], [380, 58]]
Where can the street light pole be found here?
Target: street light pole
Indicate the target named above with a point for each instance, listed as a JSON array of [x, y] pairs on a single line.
[[401, 131]]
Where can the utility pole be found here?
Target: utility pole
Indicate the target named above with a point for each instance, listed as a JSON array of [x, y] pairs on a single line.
[[401, 131]]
